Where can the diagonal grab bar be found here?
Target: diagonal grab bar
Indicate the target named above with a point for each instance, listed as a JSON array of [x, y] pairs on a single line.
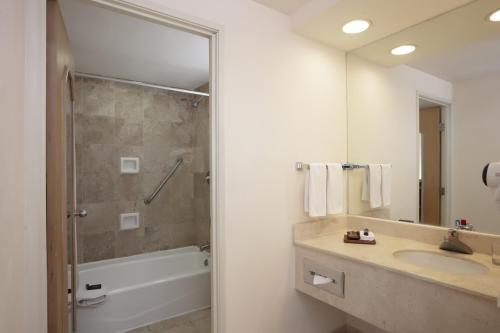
[[165, 179]]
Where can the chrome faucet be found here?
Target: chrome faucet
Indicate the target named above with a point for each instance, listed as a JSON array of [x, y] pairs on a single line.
[[452, 243], [205, 247]]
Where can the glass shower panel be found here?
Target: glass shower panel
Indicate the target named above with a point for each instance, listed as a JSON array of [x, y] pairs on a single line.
[[68, 95]]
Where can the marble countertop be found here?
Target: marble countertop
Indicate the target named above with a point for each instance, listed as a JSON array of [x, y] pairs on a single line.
[[485, 285]]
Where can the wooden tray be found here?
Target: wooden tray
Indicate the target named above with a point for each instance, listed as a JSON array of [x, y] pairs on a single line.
[[354, 241]]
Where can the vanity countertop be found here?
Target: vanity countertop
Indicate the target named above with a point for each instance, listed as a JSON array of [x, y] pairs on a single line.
[[330, 242]]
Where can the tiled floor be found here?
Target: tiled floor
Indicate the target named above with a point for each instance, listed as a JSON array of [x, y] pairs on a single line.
[[195, 322]]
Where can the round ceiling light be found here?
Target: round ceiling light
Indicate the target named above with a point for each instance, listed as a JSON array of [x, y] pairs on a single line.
[[403, 49], [355, 26], [495, 16]]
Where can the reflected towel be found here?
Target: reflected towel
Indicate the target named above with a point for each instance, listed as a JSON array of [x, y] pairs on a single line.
[[334, 188], [386, 184], [315, 190], [372, 186]]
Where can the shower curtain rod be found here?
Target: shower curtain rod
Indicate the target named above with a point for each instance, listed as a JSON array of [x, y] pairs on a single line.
[[143, 84]]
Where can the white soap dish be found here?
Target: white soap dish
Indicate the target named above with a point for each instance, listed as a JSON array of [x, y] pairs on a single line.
[[129, 221], [129, 164]]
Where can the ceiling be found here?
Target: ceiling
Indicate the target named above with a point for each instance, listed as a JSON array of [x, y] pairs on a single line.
[[322, 20], [454, 46], [109, 43], [470, 61], [454, 40], [284, 6]]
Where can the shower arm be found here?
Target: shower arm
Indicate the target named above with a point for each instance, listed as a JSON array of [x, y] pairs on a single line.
[[164, 181]]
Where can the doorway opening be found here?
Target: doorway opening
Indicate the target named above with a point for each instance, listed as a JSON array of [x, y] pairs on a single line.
[[432, 161], [133, 158]]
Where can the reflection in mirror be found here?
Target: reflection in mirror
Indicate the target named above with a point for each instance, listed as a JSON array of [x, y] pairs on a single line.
[[433, 116]]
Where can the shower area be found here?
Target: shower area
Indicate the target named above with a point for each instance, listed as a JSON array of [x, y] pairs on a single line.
[[142, 176], [138, 178]]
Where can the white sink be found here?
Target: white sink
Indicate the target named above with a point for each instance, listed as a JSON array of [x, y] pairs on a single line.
[[440, 262]]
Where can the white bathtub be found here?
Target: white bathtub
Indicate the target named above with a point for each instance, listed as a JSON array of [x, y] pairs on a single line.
[[145, 289]]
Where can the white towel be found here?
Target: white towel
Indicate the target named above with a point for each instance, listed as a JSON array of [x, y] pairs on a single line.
[[386, 184], [315, 190], [334, 188], [372, 186]]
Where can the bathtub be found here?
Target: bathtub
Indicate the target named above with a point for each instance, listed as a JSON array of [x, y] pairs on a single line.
[[145, 289]]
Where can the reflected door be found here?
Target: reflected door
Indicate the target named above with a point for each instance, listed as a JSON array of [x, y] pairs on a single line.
[[430, 184]]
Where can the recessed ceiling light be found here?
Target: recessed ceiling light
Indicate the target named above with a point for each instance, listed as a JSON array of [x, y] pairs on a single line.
[[355, 26], [403, 49], [495, 16]]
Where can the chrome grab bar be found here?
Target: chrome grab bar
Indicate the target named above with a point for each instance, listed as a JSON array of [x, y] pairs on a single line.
[[165, 179]]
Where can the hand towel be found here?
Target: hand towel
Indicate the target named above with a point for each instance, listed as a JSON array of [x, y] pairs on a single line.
[[365, 190], [334, 188], [315, 190], [306, 191], [386, 184], [372, 186]]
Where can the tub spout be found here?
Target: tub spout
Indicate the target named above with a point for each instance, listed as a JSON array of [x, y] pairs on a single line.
[[204, 247]]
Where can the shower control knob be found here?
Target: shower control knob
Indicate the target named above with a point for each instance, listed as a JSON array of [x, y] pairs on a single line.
[[81, 213]]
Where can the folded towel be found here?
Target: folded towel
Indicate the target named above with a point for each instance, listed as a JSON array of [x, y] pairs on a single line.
[[372, 186], [315, 190], [334, 188], [386, 184]]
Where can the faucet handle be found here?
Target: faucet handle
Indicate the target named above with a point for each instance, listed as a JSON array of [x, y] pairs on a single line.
[[453, 233]]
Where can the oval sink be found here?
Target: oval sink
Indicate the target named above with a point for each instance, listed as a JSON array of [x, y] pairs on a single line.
[[440, 262]]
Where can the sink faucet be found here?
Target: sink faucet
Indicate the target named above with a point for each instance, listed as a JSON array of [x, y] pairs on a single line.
[[452, 243]]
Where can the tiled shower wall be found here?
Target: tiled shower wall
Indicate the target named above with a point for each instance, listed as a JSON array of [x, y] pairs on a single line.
[[116, 120]]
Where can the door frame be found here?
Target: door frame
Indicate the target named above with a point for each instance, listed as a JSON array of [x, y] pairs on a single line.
[[446, 153], [214, 33]]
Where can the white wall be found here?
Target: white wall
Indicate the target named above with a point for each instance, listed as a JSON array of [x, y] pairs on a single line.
[[383, 127], [476, 137], [22, 167]]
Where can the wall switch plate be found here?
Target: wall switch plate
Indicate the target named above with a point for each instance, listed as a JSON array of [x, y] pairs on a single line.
[[129, 164], [129, 221]]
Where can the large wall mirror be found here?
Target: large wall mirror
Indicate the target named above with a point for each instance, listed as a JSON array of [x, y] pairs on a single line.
[[431, 111]]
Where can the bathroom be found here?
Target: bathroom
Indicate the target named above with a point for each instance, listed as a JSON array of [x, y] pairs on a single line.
[[179, 190]]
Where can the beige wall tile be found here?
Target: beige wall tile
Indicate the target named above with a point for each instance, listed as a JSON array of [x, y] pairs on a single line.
[[99, 246], [119, 120]]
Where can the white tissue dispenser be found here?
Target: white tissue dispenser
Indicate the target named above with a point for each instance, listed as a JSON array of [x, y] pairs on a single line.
[[324, 278]]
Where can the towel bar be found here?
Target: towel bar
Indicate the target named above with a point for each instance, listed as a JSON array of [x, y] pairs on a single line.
[[299, 166]]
